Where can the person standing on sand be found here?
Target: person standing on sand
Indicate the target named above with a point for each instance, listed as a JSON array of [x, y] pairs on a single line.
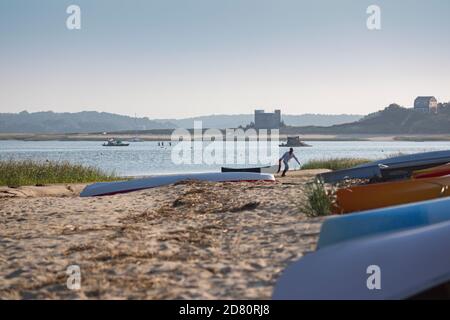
[[288, 155]]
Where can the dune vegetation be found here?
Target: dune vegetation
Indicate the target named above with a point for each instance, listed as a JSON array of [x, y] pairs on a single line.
[[334, 163], [15, 173], [320, 199]]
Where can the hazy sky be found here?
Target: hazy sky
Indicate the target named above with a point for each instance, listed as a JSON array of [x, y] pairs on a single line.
[[170, 58]]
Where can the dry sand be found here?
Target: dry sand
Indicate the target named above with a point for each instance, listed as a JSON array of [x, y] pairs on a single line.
[[192, 240]]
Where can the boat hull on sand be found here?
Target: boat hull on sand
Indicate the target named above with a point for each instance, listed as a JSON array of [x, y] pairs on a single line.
[[110, 188], [391, 168], [371, 172], [386, 194], [370, 223], [411, 262], [268, 169], [432, 157], [432, 172]]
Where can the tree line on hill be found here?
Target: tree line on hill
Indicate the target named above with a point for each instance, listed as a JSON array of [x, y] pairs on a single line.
[[392, 120], [80, 122], [95, 122]]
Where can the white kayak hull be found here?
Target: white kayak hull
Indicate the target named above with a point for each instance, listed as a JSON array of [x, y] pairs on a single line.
[[409, 263], [110, 188]]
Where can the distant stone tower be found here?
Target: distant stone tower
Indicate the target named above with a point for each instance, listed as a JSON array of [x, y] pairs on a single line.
[[266, 120], [426, 104]]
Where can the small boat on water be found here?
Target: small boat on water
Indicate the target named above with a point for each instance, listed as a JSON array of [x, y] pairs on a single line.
[[115, 143], [111, 188], [294, 142], [410, 264], [382, 221]]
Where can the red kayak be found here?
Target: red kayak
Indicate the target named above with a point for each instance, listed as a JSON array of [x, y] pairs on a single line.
[[432, 172]]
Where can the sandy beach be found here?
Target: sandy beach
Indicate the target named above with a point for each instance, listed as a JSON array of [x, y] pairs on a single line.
[[191, 240]]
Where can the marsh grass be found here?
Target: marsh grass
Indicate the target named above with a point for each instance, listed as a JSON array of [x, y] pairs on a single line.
[[334, 163], [320, 199], [15, 173]]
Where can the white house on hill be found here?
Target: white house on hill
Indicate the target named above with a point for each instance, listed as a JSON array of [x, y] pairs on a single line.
[[426, 104]]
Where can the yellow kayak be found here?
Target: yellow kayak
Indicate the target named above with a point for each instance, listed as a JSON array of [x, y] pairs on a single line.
[[379, 195], [432, 172]]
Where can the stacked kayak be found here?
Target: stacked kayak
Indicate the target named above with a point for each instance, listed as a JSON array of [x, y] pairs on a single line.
[[110, 188], [368, 172], [381, 221], [379, 195], [391, 168], [409, 263], [401, 231], [432, 172]]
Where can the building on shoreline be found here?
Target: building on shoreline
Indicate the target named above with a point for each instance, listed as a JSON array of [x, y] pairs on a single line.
[[267, 120], [426, 104]]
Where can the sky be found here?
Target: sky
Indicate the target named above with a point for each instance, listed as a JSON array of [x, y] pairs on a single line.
[[181, 58]]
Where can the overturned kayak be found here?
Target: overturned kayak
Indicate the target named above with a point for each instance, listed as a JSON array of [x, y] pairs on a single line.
[[409, 263], [390, 168], [424, 157], [110, 188], [375, 222], [370, 172], [380, 195], [432, 172], [266, 169]]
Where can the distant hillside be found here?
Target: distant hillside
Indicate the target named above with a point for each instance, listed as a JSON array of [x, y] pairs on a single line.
[[392, 120], [87, 121], [323, 120], [234, 121]]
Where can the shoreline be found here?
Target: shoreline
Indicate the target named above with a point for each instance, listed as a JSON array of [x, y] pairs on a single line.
[[167, 137]]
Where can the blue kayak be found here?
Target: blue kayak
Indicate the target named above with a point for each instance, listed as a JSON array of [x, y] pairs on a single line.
[[369, 172], [390, 168], [368, 223], [424, 157], [405, 264]]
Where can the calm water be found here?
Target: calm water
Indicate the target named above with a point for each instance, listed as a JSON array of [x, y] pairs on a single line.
[[145, 158]]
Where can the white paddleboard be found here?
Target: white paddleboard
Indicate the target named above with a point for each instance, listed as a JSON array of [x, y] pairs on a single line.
[[110, 188]]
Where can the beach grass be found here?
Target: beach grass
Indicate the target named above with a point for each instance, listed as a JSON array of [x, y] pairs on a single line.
[[320, 199], [334, 163], [15, 173]]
